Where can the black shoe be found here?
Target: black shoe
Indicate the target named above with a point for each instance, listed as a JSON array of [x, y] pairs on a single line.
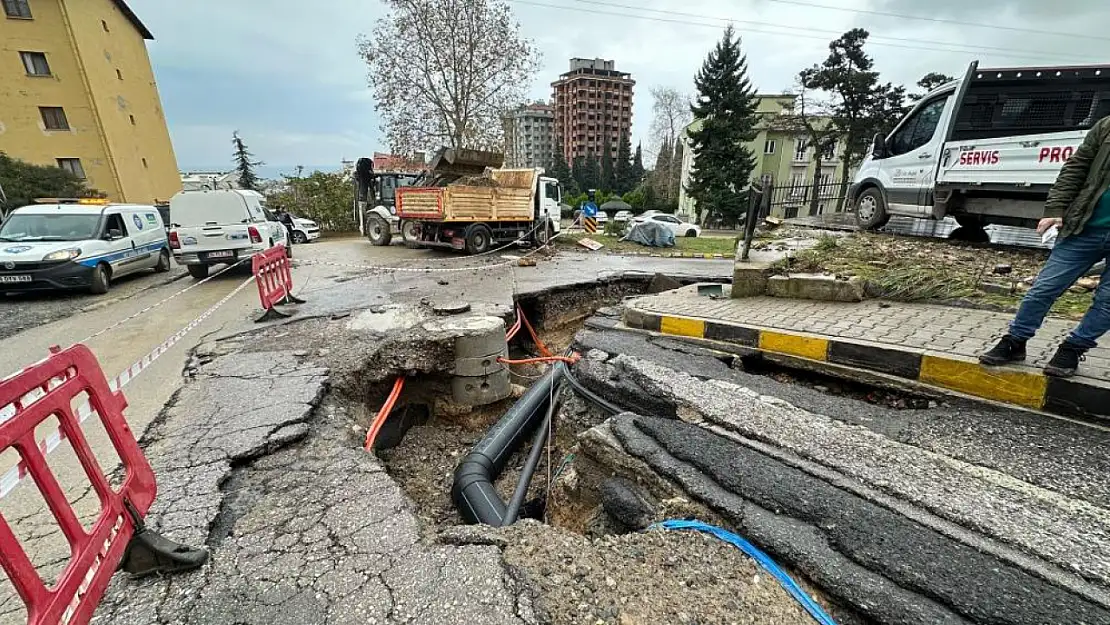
[[1008, 350], [1066, 361]]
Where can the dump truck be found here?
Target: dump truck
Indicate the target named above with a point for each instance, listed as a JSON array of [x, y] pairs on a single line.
[[983, 149], [466, 201]]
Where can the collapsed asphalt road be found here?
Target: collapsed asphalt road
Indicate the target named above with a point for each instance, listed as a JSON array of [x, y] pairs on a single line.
[[956, 514]]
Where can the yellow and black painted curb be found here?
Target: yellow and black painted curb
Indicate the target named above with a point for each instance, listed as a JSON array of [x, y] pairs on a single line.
[[1019, 386]]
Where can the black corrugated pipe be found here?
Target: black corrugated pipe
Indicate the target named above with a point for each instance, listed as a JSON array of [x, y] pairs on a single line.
[[473, 491], [513, 510]]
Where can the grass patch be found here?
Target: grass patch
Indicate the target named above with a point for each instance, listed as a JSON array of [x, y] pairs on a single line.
[[696, 245], [920, 270]]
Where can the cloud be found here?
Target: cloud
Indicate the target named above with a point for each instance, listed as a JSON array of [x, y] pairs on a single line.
[[287, 74]]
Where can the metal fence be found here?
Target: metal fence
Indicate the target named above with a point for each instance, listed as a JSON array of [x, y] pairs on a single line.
[[798, 200]]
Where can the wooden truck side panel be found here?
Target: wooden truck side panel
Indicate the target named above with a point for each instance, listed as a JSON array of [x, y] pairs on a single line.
[[511, 200]]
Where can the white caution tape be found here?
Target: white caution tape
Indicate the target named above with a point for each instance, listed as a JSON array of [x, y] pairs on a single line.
[[11, 479]]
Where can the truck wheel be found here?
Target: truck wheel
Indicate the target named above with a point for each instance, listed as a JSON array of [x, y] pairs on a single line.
[[871, 210], [409, 230], [479, 239], [543, 234], [199, 272], [101, 279], [377, 230]]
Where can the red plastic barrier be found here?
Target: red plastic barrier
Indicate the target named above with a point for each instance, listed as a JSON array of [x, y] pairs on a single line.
[[97, 553], [274, 276]]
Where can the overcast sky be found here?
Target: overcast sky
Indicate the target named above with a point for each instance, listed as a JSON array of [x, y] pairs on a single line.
[[287, 75]]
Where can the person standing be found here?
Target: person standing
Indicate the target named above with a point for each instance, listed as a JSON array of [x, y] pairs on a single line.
[[1079, 205]]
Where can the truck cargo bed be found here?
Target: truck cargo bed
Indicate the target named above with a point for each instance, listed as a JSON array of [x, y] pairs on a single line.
[[509, 197], [1026, 161]]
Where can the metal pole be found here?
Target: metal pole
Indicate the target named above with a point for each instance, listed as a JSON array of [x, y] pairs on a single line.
[[755, 202]]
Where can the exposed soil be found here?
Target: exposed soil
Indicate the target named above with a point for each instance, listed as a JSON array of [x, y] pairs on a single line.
[[946, 272], [648, 578]]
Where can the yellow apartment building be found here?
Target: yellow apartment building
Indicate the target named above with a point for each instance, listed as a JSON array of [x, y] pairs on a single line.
[[77, 91]]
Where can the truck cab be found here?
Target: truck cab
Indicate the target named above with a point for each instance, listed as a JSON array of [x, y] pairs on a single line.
[[983, 149]]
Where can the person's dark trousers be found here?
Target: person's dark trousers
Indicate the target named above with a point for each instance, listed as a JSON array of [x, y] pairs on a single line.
[[1071, 258]]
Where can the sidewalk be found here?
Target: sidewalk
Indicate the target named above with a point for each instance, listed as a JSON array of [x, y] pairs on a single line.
[[935, 345]]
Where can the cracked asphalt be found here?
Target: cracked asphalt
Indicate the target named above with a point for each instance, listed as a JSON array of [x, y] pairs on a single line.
[[957, 514], [244, 452]]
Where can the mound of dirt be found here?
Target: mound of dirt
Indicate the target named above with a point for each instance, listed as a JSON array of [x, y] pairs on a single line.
[[648, 578]]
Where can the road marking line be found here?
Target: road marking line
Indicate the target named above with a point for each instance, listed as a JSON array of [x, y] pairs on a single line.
[[11, 479]]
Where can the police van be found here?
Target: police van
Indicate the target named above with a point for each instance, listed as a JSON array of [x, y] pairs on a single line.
[[79, 244]]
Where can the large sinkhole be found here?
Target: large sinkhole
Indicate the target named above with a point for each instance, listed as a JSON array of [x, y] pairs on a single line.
[[579, 544]]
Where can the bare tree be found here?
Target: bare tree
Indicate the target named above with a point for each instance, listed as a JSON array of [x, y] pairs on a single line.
[[670, 115], [810, 119], [443, 72]]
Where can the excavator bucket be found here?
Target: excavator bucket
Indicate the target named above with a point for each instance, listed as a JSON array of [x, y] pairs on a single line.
[[450, 164]]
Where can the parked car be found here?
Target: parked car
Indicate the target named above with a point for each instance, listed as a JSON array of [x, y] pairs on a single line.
[[79, 244], [304, 230], [677, 226], [623, 216], [223, 226], [602, 218]]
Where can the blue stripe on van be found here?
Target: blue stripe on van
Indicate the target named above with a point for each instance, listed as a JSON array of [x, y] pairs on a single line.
[[112, 257]]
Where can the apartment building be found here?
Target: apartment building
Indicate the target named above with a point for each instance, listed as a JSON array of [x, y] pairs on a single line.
[[530, 136], [77, 91], [593, 105], [783, 158]]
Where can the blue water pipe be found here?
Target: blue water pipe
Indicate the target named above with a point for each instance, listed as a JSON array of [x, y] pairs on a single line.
[[764, 561]]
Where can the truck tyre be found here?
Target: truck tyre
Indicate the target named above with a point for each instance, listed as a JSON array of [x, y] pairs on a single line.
[[408, 233], [377, 230], [199, 272], [479, 239], [871, 209], [101, 279], [543, 234]]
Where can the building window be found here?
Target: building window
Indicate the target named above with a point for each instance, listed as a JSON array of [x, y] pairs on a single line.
[[769, 147], [830, 152], [144, 163], [104, 25], [800, 147], [132, 119], [17, 8], [73, 166], [54, 118], [119, 75], [35, 63]]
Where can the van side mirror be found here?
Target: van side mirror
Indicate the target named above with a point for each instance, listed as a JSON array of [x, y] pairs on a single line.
[[114, 234], [878, 146]]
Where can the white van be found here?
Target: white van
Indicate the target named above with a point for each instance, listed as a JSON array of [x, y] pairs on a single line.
[[221, 227], [79, 244]]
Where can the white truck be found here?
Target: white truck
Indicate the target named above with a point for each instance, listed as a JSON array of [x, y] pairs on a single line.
[[983, 149], [221, 227]]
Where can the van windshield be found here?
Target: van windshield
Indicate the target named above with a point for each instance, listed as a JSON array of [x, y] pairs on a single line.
[[32, 227]]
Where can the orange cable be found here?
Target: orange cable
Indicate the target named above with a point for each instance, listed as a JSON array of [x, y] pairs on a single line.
[[383, 414], [515, 327], [533, 361], [535, 338]]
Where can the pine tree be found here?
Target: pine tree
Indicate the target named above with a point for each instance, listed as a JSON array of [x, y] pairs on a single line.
[[243, 163], [622, 171], [638, 171], [608, 181], [591, 174], [561, 172], [726, 104]]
